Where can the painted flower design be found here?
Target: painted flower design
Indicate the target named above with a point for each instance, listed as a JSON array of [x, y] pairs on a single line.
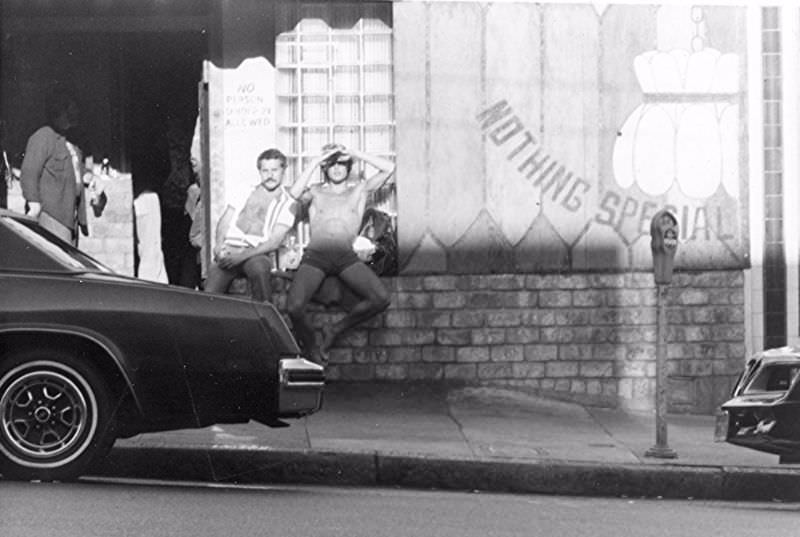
[[686, 131]]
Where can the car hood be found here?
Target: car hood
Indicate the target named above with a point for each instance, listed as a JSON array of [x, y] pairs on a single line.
[[120, 279], [60, 295], [269, 315]]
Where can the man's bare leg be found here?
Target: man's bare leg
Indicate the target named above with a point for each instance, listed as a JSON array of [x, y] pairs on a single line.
[[374, 299], [304, 284], [329, 335]]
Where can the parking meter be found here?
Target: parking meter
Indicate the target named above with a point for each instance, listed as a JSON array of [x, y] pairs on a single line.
[[663, 243]]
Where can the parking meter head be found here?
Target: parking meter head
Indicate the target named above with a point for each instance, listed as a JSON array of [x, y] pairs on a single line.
[[663, 243]]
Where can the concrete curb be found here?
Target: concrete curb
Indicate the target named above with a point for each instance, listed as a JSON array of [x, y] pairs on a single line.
[[249, 466]]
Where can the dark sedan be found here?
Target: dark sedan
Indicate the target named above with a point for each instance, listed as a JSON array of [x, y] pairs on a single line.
[[87, 356], [764, 411]]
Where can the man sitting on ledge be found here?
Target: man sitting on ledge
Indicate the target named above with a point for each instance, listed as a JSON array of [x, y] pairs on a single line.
[[336, 207], [251, 229]]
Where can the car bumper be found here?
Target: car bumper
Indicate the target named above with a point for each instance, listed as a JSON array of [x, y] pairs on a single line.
[[300, 387], [761, 427]]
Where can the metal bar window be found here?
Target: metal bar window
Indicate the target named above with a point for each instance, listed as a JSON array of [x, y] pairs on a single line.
[[335, 82]]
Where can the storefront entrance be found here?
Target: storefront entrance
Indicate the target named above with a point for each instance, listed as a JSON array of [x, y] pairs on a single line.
[[135, 74]]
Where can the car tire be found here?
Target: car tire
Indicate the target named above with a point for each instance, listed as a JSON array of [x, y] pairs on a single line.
[[55, 416]]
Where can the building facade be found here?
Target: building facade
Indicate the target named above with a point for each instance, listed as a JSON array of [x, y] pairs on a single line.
[[534, 142]]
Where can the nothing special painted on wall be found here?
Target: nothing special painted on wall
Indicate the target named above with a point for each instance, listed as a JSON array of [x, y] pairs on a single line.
[[583, 123]]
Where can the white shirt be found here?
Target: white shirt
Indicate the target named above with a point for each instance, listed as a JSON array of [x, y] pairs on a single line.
[[148, 230], [253, 222]]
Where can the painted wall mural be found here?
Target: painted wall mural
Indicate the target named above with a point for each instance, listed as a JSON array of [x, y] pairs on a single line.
[[570, 127], [682, 143]]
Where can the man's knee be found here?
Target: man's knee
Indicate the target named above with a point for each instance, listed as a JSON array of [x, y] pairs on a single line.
[[257, 265], [259, 276], [217, 280]]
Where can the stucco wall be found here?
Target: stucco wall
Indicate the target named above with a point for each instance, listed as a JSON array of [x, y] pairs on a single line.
[[561, 129], [533, 149]]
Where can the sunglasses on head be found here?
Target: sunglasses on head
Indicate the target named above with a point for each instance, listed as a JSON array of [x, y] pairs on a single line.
[[339, 158]]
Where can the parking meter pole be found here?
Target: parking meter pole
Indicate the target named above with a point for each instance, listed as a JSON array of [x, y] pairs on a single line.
[[663, 244], [661, 449]]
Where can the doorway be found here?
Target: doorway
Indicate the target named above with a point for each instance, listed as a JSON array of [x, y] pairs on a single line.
[[160, 74]]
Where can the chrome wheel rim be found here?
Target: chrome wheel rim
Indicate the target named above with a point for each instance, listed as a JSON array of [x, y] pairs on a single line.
[[47, 409]]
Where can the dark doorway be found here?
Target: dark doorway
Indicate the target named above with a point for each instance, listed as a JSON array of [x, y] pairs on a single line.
[[161, 74], [134, 68]]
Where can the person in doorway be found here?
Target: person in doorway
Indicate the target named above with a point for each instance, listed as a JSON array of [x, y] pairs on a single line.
[[250, 230], [195, 208], [147, 213], [335, 210], [180, 257], [52, 171], [196, 236]]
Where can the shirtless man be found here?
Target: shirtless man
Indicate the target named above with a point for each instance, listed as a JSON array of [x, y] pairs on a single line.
[[335, 212]]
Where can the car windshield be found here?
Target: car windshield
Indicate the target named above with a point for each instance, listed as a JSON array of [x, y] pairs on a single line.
[[62, 252], [774, 378]]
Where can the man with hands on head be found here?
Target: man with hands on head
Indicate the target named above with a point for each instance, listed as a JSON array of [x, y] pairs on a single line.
[[335, 208], [250, 229]]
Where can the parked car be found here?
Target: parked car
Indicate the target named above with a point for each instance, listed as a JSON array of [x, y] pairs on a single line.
[[88, 356], [764, 411]]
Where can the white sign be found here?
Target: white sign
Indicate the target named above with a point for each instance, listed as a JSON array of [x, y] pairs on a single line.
[[247, 118]]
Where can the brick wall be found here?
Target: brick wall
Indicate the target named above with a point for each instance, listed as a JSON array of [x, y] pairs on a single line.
[[110, 237], [583, 337]]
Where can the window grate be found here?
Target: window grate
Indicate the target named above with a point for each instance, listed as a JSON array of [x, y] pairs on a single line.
[[335, 83]]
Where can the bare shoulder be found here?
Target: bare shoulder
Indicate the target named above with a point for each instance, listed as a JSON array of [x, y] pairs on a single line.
[[315, 189], [311, 193]]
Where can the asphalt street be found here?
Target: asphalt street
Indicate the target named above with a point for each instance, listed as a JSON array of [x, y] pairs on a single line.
[[126, 508]]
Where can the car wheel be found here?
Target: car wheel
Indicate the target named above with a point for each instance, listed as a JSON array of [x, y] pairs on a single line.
[[55, 416]]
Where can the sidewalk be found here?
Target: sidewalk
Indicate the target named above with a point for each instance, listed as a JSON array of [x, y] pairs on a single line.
[[426, 436]]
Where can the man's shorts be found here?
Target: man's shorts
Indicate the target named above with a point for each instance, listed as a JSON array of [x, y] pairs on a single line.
[[331, 262]]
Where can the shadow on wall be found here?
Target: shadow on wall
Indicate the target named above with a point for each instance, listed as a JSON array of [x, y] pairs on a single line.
[[499, 257]]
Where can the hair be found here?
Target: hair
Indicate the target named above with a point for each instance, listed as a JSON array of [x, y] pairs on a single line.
[[56, 102], [148, 170], [271, 154], [334, 159]]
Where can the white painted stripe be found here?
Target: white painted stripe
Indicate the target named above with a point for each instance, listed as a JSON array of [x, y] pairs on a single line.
[[790, 59], [755, 153]]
